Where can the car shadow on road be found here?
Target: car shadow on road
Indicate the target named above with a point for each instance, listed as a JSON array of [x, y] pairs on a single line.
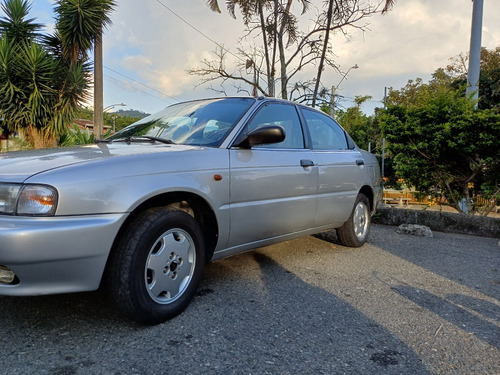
[[250, 315], [293, 326], [46, 312]]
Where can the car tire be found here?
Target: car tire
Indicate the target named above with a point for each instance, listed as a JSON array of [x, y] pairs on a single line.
[[156, 265], [355, 230]]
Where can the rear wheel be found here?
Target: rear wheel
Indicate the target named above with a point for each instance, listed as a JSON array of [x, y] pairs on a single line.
[[355, 230], [157, 265]]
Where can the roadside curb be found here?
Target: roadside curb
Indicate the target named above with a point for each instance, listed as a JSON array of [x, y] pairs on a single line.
[[440, 221]]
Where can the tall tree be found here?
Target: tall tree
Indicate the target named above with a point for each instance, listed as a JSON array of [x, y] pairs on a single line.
[[80, 24], [489, 76], [442, 144], [44, 78], [285, 47], [277, 25], [363, 129], [39, 92]]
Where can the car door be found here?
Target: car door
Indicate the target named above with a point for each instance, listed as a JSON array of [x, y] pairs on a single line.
[[273, 187], [340, 168]]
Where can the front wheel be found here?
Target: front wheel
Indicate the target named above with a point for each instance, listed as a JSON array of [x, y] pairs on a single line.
[[157, 265], [355, 230]]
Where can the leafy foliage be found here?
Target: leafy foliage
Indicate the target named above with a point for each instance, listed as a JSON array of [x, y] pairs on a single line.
[[14, 26], [489, 77], [44, 78], [76, 136], [79, 24], [363, 129], [443, 144]]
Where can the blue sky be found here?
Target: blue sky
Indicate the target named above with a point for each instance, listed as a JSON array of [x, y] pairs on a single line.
[[148, 49]]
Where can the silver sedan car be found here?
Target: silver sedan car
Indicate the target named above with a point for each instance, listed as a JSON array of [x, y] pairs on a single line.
[[143, 210]]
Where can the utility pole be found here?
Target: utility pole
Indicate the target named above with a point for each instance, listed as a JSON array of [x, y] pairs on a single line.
[[332, 102], [475, 50], [98, 88]]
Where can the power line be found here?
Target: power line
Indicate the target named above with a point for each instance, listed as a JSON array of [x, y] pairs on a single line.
[[187, 23], [149, 87], [142, 84], [135, 88], [200, 32]]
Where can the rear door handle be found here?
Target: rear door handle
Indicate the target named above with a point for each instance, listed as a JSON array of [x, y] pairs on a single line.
[[360, 162], [306, 163]]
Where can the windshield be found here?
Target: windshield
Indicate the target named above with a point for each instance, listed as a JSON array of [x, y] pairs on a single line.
[[202, 122]]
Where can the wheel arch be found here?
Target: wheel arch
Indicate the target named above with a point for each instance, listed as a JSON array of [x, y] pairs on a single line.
[[191, 203], [368, 192]]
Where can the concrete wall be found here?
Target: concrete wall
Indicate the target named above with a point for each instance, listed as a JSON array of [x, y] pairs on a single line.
[[440, 221]]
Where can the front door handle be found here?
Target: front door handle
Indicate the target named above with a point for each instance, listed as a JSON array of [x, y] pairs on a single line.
[[360, 162], [306, 163]]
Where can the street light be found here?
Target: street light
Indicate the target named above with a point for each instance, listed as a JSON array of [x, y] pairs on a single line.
[[334, 88], [113, 106], [355, 66]]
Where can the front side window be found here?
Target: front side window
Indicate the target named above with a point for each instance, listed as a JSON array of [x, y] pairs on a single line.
[[282, 115], [325, 133], [202, 122]]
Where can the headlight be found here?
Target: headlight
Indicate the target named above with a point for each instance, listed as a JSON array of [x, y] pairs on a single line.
[[36, 200], [8, 198]]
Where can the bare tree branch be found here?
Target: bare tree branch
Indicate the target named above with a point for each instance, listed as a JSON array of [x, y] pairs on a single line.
[[285, 48]]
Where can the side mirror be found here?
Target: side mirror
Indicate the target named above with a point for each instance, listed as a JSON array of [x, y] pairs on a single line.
[[262, 135]]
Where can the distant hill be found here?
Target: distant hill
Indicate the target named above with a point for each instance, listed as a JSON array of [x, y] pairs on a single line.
[[131, 113]]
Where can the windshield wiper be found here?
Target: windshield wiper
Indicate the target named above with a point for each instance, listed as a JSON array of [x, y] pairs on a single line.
[[158, 139], [142, 138], [103, 140]]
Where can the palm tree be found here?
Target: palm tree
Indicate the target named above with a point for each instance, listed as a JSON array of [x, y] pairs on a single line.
[[214, 5], [80, 24], [44, 79], [14, 26], [39, 93]]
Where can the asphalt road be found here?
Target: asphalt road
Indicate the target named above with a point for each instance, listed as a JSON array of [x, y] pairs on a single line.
[[399, 305]]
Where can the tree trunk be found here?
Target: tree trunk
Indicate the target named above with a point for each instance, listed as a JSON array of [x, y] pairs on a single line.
[[269, 66], [281, 46], [275, 44], [329, 16], [37, 139]]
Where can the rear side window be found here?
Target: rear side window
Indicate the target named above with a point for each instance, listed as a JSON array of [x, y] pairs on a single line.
[[325, 133]]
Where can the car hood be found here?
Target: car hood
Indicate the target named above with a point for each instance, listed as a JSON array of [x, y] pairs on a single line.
[[17, 166]]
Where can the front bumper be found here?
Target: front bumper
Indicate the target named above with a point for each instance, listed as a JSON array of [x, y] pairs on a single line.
[[56, 254]]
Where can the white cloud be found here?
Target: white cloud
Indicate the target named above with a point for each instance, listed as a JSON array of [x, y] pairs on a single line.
[[152, 45]]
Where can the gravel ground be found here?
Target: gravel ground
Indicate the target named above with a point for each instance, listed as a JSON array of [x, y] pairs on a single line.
[[399, 305]]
